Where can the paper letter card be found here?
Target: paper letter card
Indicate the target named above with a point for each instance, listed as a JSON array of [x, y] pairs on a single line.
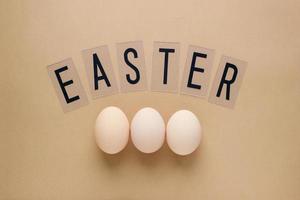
[[227, 82], [67, 85], [165, 67], [197, 71], [131, 61], [100, 73]]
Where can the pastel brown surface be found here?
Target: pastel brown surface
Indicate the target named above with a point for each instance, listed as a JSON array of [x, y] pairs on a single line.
[[250, 152]]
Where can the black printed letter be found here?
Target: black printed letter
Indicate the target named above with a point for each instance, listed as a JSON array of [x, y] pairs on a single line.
[[64, 84], [97, 78], [227, 82], [132, 66], [166, 51], [193, 69]]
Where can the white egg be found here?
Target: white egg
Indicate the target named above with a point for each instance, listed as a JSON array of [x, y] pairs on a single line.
[[111, 130], [147, 130], [183, 132]]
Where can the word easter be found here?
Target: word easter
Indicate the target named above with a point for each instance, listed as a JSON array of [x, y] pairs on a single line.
[[132, 74]]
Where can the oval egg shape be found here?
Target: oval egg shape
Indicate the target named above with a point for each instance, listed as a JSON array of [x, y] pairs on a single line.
[[183, 132], [147, 130], [112, 130]]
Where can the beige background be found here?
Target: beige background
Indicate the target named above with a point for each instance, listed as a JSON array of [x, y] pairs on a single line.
[[251, 152]]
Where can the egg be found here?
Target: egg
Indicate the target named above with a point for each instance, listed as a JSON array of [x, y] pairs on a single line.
[[147, 130], [183, 132], [112, 130]]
